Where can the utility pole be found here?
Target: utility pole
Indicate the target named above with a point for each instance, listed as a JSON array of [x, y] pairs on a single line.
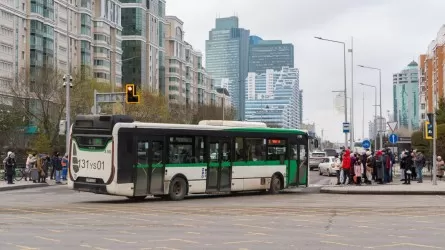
[[351, 50], [65, 82]]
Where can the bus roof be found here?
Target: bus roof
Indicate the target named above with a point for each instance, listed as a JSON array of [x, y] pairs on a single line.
[[225, 123], [264, 130]]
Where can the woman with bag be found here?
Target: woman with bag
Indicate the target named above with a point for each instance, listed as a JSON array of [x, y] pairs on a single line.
[[440, 167]]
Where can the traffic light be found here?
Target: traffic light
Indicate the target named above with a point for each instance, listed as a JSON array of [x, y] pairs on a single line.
[[131, 96], [428, 130], [65, 80]]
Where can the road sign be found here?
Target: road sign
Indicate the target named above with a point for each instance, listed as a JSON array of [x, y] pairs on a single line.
[[392, 126], [393, 138], [345, 127], [366, 144]]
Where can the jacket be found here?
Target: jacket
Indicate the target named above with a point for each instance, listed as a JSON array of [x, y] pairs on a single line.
[[337, 164], [346, 164]]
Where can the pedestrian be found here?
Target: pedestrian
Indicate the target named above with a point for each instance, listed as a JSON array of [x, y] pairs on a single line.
[[420, 164], [358, 170], [57, 165], [337, 167], [369, 167], [387, 166], [379, 166], [9, 163], [413, 166], [30, 162], [440, 167], [346, 166], [65, 164]]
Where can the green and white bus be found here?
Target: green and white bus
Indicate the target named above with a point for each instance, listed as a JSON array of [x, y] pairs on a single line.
[[115, 155]]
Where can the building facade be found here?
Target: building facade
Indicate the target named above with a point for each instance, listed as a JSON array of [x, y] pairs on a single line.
[[431, 79], [187, 81], [274, 98], [73, 37], [269, 54], [227, 58], [143, 43], [406, 97]]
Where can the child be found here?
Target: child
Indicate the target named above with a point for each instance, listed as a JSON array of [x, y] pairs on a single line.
[[358, 170]]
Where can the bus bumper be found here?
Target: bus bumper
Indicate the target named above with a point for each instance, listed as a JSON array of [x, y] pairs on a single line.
[[90, 187]]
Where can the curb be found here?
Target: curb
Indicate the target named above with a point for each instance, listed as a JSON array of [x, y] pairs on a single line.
[[381, 192], [19, 187]]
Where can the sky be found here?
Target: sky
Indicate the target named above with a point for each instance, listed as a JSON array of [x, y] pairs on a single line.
[[387, 34]]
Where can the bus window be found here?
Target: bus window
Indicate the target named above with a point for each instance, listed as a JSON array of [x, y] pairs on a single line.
[[240, 152], [199, 155], [256, 150], [88, 142], [180, 150], [276, 149]]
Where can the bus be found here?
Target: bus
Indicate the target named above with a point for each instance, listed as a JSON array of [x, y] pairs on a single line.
[[115, 155]]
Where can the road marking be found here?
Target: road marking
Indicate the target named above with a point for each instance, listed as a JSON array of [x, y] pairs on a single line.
[[388, 245], [87, 246], [329, 235], [244, 225], [100, 248], [22, 247], [126, 232], [424, 246], [186, 241], [252, 233], [45, 238], [167, 248], [193, 233], [120, 241], [339, 243], [55, 231], [241, 242]]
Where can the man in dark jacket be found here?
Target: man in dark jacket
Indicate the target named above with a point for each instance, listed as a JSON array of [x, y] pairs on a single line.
[[57, 165], [9, 163]]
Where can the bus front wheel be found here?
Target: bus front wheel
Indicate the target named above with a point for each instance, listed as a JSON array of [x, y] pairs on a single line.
[[178, 189], [275, 184]]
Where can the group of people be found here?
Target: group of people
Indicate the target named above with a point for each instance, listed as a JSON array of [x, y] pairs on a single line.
[[354, 168], [37, 167]]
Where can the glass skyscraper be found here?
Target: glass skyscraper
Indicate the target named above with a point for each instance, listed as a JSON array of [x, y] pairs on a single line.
[[273, 97], [406, 97], [227, 58], [269, 54]]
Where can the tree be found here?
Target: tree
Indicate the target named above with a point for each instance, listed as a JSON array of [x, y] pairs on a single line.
[[213, 112], [419, 143], [440, 112], [39, 95], [41, 144], [152, 108], [11, 123]]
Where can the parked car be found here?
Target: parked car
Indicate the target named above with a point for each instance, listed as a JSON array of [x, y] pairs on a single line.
[[326, 167], [315, 159]]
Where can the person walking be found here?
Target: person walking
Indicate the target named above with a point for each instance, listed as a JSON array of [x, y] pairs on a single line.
[[9, 163], [65, 164], [337, 167], [358, 170], [57, 165], [440, 167], [405, 165], [420, 164], [379, 167], [369, 167], [346, 167]]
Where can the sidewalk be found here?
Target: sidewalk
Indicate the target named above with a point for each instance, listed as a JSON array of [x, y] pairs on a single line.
[[25, 185], [397, 188]]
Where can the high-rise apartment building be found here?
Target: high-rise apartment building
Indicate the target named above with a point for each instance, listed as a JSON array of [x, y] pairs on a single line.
[[406, 97], [72, 37], [227, 58], [143, 43], [431, 70], [269, 54], [273, 97], [187, 81]]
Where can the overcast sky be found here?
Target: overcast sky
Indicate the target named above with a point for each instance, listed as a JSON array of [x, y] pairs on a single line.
[[388, 34]]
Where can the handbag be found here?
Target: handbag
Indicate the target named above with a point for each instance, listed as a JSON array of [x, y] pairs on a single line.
[[408, 172]]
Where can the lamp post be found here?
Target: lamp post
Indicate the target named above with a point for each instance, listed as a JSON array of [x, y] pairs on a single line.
[[67, 84], [380, 87], [375, 110], [345, 88]]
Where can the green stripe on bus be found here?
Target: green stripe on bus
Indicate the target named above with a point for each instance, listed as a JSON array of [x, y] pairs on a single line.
[[215, 164]]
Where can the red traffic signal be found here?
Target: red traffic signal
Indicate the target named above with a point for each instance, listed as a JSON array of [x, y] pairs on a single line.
[[131, 96]]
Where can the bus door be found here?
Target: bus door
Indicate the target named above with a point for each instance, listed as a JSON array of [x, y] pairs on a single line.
[[298, 168], [219, 169], [150, 167]]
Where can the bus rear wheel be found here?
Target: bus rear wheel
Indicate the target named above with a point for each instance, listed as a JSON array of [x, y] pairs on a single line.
[[136, 198], [178, 189], [275, 184]]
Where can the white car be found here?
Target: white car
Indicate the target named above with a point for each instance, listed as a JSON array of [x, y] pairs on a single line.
[[326, 166]]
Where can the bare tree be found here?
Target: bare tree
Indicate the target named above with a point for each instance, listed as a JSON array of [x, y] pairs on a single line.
[[40, 96], [152, 108]]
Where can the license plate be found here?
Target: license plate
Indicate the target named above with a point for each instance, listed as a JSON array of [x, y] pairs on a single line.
[[91, 180]]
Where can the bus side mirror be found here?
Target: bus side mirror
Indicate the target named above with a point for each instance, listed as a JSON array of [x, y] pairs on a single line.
[[316, 143]]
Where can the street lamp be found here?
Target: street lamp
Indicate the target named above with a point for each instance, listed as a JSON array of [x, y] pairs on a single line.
[[380, 87], [344, 72], [375, 110], [67, 84]]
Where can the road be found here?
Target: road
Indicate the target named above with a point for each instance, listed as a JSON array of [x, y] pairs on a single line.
[[316, 179], [57, 218]]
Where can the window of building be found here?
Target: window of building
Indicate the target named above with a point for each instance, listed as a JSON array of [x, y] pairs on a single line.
[[101, 75], [422, 106], [423, 116]]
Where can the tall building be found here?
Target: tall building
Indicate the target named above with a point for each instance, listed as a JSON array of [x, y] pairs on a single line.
[[143, 43], [300, 98], [69, 36], [406, 97], [431, 74], [227, 58], [269, 54], [187, 81], [274, 98]]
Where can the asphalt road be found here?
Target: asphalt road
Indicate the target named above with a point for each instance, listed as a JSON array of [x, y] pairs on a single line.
[[57, 218], [316, 179]]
